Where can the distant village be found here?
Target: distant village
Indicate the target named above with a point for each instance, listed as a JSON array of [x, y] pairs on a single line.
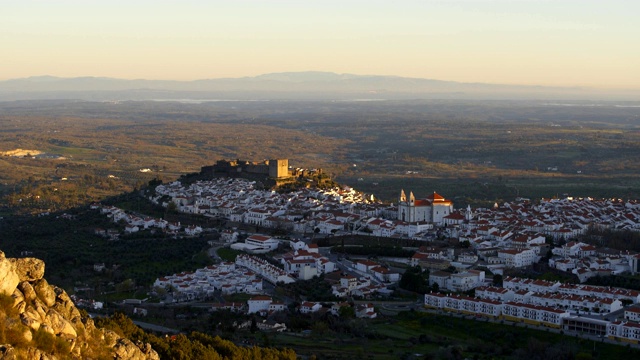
[[506, 236]]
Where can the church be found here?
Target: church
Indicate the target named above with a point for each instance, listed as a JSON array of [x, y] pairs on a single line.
[[432, 209]]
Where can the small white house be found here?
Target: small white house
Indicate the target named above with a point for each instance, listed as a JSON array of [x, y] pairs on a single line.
[[259, 304]]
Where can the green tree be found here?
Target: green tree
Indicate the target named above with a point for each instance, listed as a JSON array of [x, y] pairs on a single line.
[[497, 280], [416, 280], [347, 312], [126, 286]]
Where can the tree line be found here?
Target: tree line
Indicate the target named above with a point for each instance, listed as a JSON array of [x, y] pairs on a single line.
[[195, 345]]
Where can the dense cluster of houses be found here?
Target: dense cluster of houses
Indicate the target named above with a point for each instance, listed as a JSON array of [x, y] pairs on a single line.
[[586, 261], [135, 223], [515, 235], [265, 269], [264, 305], [511, 235], [225, 277], [349, 285], [376, 270], [558, 218], [516, 226], [462, 281], [238, 200], [304, 261]]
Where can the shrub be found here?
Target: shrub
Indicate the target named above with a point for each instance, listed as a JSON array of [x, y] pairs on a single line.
[[44, 341], [51, 344], [14, 335], [6, 306]]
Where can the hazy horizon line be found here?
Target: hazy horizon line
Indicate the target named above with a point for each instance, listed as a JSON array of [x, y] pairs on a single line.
[[584, 87]]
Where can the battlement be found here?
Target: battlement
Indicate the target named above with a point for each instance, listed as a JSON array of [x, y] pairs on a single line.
[[275, 168]]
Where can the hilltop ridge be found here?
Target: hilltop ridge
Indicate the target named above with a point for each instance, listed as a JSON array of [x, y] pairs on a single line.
[[40, 321], [309, 85]]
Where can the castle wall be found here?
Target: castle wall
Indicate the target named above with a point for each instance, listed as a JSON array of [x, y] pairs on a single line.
[[269, 173]]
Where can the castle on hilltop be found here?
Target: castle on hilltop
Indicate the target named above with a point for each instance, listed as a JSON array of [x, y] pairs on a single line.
[[275, 169], [432, 209]]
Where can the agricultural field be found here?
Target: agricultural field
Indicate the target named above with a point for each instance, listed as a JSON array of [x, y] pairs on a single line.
[[422, 335], [473, 152]]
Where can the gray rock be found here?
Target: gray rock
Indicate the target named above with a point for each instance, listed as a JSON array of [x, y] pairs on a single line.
[[7, 352], [9, 279], [31, 318], [18, 300], [28, 291], [45, 292], [125, 349], [60, 325], [20, 306], [64, 305], [47, 328], [37, 354], [110, 338], [148, 351], [28, 269], [41, 308]]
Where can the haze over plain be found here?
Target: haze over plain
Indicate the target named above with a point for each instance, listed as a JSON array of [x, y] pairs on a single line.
[[550, 43]]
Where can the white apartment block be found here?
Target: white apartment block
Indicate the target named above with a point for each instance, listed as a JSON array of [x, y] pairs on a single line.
[[263, 268], [624, 330], [517, 258], [533, 314], [632, 313]]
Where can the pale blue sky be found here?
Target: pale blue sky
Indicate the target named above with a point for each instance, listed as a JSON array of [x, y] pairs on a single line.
[[555, 42]]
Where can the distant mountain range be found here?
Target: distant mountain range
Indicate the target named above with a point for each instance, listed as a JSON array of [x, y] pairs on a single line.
[[311, 85]]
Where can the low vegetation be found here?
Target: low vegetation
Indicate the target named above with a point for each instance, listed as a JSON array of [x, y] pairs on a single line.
[[314, 289], [192, 346], [416, 280], [443, 337], [70, 249], [392, 251]]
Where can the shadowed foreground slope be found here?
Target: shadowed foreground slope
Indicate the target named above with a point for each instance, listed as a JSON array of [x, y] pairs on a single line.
[[39, 321]]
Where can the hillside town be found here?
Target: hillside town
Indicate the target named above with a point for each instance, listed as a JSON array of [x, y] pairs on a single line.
[[511, 235], [461, 249]]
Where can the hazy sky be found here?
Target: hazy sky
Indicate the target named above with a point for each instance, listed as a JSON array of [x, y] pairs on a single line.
[[555, 42]]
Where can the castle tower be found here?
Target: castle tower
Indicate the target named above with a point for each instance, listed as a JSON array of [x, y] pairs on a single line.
[[279, 168]]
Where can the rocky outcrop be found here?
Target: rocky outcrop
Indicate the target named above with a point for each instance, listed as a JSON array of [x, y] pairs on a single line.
[[28, 269], [8, 277], [40, 321]]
